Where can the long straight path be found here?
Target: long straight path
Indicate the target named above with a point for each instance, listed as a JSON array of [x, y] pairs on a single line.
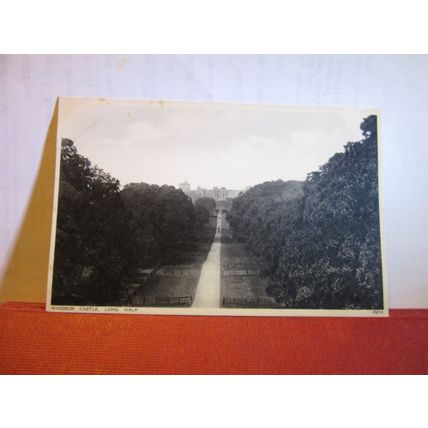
[[208, 289]]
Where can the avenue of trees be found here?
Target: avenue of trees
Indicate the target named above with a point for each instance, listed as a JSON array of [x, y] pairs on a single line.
[[104, 232], [318, 241]]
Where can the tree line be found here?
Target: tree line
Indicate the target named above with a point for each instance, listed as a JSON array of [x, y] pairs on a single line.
[[318, 241], [104, 233]]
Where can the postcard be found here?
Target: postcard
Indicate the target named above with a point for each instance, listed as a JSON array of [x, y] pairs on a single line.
[[165, 207]]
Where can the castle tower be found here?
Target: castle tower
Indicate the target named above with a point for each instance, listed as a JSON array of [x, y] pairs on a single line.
[[185, 187]]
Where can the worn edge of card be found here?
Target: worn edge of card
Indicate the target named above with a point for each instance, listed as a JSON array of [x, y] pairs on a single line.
[[261, 312]]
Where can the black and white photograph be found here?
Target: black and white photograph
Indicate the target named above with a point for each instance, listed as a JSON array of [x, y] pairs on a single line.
[[168, 207]]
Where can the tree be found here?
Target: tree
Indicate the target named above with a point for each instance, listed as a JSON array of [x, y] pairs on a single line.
[[91, 251], [208, 203], [320, 248], [203, 209], [163, 220], [104, 234]]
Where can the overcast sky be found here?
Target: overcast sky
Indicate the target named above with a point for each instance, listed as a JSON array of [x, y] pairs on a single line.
[[208, 145]]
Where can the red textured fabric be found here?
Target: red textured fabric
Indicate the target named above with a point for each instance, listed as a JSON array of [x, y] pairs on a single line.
[[33, 341]]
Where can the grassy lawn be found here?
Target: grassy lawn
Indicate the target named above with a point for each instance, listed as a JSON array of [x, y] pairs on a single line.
[[238, 288], [175, 285]]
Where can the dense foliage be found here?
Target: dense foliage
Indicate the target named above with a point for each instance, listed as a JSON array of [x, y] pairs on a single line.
[[163, 221], [104, 233], [204, 208], [91, 251], [319, 241], [208, 203]]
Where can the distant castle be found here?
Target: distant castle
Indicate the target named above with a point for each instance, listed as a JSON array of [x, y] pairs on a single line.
[[217, 193]]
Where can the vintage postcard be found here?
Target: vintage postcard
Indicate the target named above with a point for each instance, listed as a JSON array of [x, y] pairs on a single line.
[[217, 209]]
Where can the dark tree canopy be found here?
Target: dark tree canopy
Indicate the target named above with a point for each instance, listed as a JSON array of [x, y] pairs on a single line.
[[91, 251], [204, 207], [163, 219], [105, 233], [208, 203], [321, 246]]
